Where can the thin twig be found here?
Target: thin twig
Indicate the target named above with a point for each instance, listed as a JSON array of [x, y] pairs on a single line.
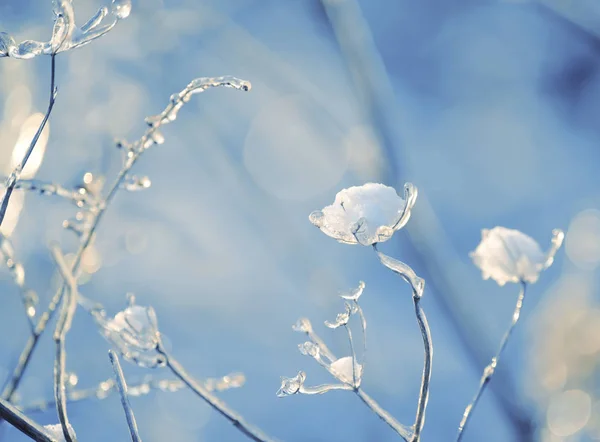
[[151, 135], [122, 385], [136, 388], [14, 176], [488, 372], [17, 419], [63, 325], [217, 404]]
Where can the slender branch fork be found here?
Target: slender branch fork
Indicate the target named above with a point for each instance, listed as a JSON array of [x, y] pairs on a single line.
[[12, 179], [488, 372], [403, 431], [217, 404], [122, 385]]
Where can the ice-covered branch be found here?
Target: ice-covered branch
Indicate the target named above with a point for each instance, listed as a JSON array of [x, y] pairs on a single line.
[[346, 369], [417, 284], [217, 404], [122, 387], [13, 178], [66, 34], [136, 388], [25, 425], [63, 325], [132, 152]]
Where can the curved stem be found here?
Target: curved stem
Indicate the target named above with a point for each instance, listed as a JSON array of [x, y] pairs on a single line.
[[417, 284], [14, 176], [488, 372], [428, 346], [217, 404]]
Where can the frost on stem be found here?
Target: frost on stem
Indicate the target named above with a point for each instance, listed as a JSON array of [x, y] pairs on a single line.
[[365, 214], [66, 34]]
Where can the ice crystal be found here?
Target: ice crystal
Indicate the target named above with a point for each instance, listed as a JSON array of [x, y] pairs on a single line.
[[134, 333], [341, 318], [290, 386]]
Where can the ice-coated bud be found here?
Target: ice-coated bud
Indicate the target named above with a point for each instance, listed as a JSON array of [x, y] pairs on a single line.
[[290, 386]]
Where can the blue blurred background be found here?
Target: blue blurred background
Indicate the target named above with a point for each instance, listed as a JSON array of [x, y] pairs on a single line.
[[489, 107]]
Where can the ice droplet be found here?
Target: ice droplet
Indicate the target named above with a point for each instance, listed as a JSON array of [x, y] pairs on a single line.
[[291, 386], [135, 183], [157, 137], [310, 349], [302, 325], [121, 8], [317, 218], [354, 294], [340, 319]]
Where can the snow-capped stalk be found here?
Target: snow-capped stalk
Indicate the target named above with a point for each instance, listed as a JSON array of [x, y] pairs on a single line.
[[488, 372], [122, 385], [417, 284], [135, 150], [17, 419], [217, 404], [67, 312], [11, 180]]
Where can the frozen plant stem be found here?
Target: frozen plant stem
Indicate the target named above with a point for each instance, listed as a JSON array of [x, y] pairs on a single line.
[[135, 150], [17, 419], [428, 346], [488, 372], [417, 284], [67, 312], [12, 179], [122, 385], [216, 403]]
